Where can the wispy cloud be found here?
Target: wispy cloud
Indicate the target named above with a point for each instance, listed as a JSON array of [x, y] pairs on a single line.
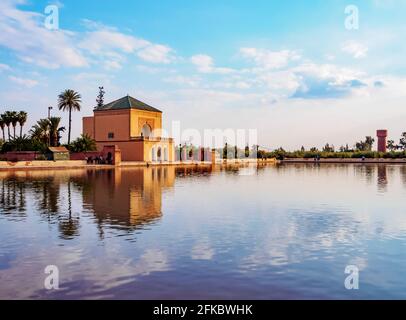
[[24, 33], [156, 53], [355, 49], [113, 46], [205, 64], [29, 83], [270, 59]]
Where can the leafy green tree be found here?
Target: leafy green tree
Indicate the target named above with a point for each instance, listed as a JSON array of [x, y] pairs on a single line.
[[23, 143], [69, 100], [328, 148], [369, 142], [391, 145], [83, 144], [100, 97], [365, 145], [402, 142]]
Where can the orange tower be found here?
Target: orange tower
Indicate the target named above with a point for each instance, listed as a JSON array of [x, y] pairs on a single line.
[[382, 135]]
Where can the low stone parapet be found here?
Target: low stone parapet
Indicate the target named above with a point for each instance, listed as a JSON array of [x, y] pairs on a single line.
[[7, 165]]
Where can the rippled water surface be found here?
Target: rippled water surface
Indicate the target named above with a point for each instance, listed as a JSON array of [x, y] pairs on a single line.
[[270, 232]]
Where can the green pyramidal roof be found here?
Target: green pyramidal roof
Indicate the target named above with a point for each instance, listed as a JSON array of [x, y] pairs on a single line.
[[127, 103]]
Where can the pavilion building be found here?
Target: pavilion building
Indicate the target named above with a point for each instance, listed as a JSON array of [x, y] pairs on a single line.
[[134, 127]]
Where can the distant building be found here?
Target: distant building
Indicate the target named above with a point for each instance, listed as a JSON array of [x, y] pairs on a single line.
[[58, 154], [134, 127], [382, 140]]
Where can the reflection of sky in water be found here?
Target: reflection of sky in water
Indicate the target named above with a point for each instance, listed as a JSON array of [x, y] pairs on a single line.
[[261, 233]]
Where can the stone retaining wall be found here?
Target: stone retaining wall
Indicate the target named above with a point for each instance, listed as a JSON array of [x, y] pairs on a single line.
[[41, 164]]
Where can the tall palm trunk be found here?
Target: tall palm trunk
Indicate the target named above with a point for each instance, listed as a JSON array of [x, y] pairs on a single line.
[[14, 129], [4, 136], [21, 131], [70, 124], [9, 135]]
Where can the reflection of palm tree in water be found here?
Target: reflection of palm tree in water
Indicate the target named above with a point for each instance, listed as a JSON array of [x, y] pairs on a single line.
[[69, 227], [47, 191], [12, 198]]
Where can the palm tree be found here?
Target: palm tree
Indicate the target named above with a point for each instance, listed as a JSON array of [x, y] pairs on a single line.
[[2, 126], [22, 119], [69, 100], [7, 116], [40, 131], [391, 145], [55, 131], [14, 120]]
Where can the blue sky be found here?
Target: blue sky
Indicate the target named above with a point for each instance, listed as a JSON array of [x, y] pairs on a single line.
[[289, 69]]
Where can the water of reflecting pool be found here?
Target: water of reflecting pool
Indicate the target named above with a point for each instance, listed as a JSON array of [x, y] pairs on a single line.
[[269, 232]]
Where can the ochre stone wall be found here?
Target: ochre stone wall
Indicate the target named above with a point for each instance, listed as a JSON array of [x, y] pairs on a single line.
[[139, 118], [88, 126], [130, 150], [115, 122]]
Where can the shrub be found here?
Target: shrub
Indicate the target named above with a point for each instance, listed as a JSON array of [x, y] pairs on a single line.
[[83, 144], [41, 157], [280, 154], [23, 144]]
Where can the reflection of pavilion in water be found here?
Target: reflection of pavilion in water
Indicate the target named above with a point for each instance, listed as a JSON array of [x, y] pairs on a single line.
[[129, 197]]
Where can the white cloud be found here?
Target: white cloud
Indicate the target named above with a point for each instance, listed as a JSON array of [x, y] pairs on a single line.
[[112, 46], [156, 53], [336, 75], [205, 64], [24, 33], [270, 59], [29, 83], [107, 41], [355, 49]]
